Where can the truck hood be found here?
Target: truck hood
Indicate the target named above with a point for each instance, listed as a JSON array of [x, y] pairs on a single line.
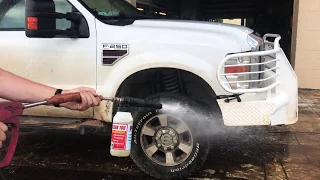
[[230, 30]]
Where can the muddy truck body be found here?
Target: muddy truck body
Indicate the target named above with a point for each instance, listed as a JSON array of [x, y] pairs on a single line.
[[227, 73]]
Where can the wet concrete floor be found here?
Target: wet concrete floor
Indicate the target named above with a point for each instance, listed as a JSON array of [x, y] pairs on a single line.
[[287, 152]]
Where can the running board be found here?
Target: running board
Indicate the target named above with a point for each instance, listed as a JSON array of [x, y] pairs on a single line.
[[63, 125]]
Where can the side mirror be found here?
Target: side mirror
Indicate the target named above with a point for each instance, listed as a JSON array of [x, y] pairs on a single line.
[[40, 17]]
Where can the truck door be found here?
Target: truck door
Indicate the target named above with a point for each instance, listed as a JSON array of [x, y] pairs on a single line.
[[61, 62]]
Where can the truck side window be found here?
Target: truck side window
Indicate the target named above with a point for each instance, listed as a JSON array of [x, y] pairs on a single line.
[[12, 14]]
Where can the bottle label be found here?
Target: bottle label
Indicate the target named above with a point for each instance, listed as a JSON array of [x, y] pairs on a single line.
[[121, 136]]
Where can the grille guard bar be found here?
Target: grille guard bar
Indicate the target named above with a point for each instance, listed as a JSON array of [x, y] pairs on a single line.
[[225, 84]]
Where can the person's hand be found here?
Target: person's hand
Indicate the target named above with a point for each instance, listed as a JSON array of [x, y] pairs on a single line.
[[3, 129], [89, 99]]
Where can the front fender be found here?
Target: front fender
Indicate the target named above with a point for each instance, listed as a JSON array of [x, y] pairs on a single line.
[[160, 59]]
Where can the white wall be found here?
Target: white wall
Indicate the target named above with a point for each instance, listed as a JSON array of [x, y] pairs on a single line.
[[307, 54]]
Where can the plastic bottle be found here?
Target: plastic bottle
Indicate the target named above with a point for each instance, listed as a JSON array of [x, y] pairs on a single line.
[[121, 133]]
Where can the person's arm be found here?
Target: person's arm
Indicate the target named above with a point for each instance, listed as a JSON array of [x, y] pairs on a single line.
[[16, 88]]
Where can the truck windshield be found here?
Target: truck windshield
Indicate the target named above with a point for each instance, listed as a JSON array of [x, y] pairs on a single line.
[[115, 10]]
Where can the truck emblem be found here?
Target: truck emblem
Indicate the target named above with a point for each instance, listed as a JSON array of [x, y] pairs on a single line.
[[111, 53]]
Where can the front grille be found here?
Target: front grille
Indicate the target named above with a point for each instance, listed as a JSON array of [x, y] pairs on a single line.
[[262, 63], [269, 57], [269, 68]]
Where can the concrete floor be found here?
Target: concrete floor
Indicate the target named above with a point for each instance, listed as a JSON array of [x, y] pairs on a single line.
[[287, 152]]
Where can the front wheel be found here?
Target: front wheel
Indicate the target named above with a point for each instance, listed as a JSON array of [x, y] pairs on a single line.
[[171, 143]]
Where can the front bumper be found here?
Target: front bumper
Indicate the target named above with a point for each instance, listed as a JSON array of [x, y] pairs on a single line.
[[273, 103], [255, 110]]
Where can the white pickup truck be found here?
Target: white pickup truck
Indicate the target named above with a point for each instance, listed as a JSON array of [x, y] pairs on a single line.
[[225, 73]]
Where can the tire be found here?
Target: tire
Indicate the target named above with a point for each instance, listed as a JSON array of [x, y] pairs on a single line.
[[190, 150]]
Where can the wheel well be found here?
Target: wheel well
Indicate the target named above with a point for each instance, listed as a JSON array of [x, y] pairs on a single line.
[[151, 81]]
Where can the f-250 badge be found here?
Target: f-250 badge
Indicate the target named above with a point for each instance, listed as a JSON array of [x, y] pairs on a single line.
[[111, 53]]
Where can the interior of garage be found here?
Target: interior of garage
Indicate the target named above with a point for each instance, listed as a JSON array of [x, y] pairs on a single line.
[[263, 16]]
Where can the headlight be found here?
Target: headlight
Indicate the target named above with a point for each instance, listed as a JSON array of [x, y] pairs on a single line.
[[254, 41], [236, 72]]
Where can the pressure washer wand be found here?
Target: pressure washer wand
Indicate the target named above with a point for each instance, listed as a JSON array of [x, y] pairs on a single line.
[[75, 97], [10, 112], [56, 100], [135, 102]]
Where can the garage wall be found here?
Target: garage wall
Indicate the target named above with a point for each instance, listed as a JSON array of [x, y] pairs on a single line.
[[307, 55]]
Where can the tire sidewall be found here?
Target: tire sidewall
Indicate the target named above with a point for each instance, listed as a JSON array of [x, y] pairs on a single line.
[[195, 160]]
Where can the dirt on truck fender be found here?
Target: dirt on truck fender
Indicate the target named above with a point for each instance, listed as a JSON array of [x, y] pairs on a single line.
[[209, 75]]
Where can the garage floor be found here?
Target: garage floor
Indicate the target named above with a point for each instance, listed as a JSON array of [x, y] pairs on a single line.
[[288, 152]]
